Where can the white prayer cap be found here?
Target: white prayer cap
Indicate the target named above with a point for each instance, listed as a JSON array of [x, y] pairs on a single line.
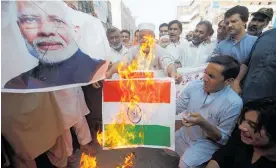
[[146, 26]]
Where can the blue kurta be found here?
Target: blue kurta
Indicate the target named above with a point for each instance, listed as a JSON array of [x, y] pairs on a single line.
[[239, 50], [221, 109]]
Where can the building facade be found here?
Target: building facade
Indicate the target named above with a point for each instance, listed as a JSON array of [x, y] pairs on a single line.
[[122, 17], [99, 9], [213, 11]]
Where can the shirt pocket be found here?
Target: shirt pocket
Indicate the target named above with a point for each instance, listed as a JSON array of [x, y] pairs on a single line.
[[213, 117]]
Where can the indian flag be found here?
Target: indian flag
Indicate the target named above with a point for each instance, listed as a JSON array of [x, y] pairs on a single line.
[[139, 113]]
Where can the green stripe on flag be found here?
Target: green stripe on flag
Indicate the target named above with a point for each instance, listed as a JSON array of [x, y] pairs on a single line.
[[141, 134]]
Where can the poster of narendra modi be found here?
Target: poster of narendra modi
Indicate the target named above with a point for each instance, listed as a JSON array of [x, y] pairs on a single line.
[[46, 45]]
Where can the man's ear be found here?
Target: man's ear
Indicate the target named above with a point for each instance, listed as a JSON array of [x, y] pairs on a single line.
[[229, 81]]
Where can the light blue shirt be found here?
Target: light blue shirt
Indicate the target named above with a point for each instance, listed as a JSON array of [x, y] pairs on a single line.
[[221, 109], [239, 50]]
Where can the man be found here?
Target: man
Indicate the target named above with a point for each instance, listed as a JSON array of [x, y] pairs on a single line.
[[211, 111], [136, 37], [189, 36], [163, 29], [259, 70], [197, 51], [164, 41], [174, 48], [125, 34], [148, 55], [238, 44], [48, 37], [254, 143], [221, 31], [118, 50], [164, 38], [260, 20]]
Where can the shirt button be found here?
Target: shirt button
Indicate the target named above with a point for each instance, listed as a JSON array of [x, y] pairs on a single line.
[[42, 78]]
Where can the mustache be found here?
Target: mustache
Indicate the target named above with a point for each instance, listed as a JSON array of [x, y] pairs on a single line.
[[52, 40], [252, 27]]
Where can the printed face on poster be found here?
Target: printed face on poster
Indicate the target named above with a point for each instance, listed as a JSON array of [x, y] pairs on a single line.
[[47, 46]]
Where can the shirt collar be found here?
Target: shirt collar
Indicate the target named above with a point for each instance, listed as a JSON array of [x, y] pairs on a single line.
[[215, 94], [204, 43], [232, 39]]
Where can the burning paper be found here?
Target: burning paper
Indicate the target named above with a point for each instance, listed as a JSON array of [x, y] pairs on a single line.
[[138, 112]]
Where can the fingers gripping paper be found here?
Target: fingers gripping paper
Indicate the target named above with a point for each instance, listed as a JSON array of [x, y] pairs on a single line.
[[48, 46]]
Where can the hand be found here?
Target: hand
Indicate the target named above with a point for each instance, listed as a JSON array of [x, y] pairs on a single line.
[[96, 85], [236, 86], [193, 119], [177, 77]]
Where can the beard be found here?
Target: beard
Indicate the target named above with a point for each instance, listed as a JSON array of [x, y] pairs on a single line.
[[197, 40], [51, 56], [117, 46]]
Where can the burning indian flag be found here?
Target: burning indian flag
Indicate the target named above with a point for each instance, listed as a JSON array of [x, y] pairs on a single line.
[[144, 111]]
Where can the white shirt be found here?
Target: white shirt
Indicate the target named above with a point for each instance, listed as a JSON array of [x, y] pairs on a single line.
[[115, 56], [195, 55], [162, 59], [175, 49]]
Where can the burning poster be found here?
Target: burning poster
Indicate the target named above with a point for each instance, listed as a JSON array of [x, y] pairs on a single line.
[[138, 113], [48, 46]]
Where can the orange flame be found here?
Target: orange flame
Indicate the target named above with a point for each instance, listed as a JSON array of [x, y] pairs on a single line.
[[88, 161], [128, 163], [120, 132]]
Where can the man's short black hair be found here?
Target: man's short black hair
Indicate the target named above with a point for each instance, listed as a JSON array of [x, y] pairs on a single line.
[[266, 110], [163, 25], [111, 30], [177, 22], [136, 31], [125, 31], [231, 66], [241, 10], [208, 24]]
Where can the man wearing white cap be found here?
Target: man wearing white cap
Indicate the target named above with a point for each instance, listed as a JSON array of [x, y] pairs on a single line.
[[151, 56]]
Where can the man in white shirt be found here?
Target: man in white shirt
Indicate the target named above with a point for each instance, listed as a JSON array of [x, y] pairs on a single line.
[[118, 50], [197, 51], [175, 29], [148, 55]]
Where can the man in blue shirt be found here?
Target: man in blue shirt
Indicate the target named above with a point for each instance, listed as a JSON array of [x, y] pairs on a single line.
[[211, 109], [239, 43]]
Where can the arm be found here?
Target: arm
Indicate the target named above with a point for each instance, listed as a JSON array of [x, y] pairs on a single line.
[[213, 164], [236, 83], [220, 132], [167, 63], [228, 121], [225, 156], [210, 130]]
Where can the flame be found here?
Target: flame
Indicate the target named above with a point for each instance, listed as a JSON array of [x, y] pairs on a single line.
[[120, 132], [128, 163], [88, 161]]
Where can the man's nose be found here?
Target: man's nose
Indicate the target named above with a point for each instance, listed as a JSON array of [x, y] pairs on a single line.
[[48, 29], [205, 78]]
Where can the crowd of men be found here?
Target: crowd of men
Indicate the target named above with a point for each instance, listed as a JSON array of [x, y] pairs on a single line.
[[238, 78], [230, 115]]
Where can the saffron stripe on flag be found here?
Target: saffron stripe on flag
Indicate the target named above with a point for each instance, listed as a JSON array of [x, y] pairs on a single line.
[[152, 134], [144, 91]]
